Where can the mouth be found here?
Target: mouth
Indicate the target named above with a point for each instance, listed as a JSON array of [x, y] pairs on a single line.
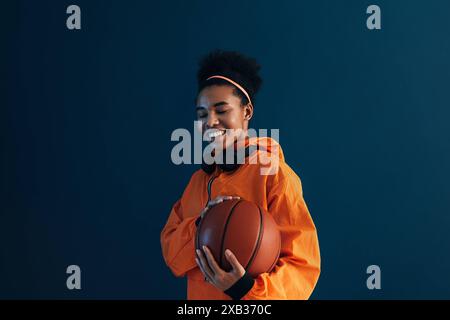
[[213, 134]]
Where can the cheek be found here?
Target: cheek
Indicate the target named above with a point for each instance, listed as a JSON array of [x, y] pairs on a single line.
[[234, 120]]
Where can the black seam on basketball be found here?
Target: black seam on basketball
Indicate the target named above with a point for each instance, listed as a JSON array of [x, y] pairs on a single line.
[[197, 233], [258, 243], [225, 232]]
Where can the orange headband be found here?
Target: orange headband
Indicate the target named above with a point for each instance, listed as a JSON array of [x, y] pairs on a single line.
[[235, 83]]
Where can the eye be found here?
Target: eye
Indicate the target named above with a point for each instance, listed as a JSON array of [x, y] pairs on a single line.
[[221, 111]]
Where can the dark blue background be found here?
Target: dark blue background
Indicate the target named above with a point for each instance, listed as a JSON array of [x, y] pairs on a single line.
[[86, 118]]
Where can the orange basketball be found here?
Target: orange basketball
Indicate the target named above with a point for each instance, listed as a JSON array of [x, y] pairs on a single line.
[[244, 228]]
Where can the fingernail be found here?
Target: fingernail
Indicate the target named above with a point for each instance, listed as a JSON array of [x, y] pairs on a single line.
[[227, 252], [198, 251]]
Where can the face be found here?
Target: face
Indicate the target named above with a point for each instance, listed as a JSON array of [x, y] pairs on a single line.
[[218, 109]]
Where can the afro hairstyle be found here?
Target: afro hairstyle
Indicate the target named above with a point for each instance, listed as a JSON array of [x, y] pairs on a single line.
[[234, 65]]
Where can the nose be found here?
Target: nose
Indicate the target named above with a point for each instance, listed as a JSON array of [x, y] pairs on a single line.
[[211, 121]]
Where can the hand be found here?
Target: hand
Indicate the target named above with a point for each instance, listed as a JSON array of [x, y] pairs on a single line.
[[217, 200], [214, 274]]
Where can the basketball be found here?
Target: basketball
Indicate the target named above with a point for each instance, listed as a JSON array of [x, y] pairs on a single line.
[[245, 229]]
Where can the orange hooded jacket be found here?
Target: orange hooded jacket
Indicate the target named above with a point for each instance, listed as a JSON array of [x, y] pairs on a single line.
[[297, 270]]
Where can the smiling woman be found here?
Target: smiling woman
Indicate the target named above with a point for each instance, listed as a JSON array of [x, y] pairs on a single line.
[[223, 103], [227, 85]]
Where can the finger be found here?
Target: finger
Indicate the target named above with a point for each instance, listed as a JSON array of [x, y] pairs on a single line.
[[202, 214], [231, 198], [211, 261], [215, 201], [207, 279], [237, 267], [202, 269], [206, 268], [220, 196], [220, 199], [210, 204]]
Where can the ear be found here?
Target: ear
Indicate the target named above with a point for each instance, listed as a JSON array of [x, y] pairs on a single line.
[[248, 111]]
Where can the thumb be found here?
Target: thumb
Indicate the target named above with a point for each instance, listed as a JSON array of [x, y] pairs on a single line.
[[237, 267]]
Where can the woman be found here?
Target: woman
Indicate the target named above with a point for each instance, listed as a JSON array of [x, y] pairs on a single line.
[[228, 83]]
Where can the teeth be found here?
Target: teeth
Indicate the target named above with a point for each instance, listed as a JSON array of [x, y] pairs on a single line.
[[216, 134]]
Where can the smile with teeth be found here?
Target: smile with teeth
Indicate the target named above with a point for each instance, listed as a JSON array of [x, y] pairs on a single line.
[[216, 133]]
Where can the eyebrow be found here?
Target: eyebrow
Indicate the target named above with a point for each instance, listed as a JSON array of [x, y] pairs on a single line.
[[217, 104]]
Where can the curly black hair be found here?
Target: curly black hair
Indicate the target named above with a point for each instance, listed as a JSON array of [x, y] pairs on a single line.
[[234, 65]]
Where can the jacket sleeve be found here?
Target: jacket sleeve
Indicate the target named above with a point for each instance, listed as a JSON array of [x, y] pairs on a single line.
[[177, 241], [297, 270]]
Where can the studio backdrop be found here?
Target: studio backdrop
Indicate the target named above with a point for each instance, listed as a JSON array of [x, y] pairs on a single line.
[[360, 97]]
